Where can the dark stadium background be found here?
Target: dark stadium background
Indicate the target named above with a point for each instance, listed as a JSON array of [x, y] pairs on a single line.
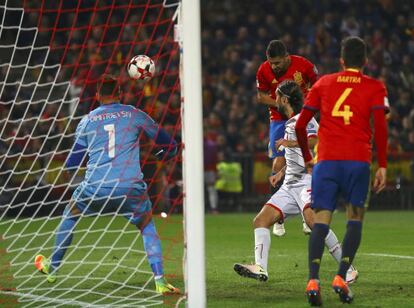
[[234, 40], [234, 37]]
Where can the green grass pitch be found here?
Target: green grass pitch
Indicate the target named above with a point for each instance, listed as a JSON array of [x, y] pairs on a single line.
[[384, 281], [385, 261]]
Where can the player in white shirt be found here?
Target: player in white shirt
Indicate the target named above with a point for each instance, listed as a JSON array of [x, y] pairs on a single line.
[[293, 197]]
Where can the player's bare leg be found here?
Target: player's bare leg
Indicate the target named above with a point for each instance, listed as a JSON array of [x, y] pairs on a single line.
[[261, 223], [332, 243]]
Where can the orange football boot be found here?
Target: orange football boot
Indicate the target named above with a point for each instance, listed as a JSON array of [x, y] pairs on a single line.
[[313, 293], [341, 288]]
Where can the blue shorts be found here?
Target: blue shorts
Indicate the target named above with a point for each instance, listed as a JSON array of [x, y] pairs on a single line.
[[334, 178], [276, 132], [132, 203]]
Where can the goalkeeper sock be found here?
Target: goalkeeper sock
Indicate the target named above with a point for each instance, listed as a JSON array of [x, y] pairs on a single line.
[[262, 246], [332, 243], [317, 237], [63, 239], [152, 246], [350, 246]]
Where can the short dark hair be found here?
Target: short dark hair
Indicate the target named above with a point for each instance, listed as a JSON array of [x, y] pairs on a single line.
[[292, 91], [353, 51], [108, 86], [276, 48]]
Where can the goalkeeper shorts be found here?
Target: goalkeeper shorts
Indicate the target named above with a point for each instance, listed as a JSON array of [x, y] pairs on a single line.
[[132, 203]]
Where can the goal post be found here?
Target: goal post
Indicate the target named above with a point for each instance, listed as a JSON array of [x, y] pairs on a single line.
[[193, 154], [52, 53]]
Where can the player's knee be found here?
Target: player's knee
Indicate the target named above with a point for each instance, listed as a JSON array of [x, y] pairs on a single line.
[[359, 217], [355, 213], [143, 220], [71, 209], [264, 221], [258, 221]]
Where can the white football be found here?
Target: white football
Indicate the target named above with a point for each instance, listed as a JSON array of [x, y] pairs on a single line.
[[141, 67]]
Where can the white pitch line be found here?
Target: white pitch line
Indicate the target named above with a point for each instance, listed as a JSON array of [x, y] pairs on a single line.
[[246, 257], [388, 255], [47, 299], [66, 301]]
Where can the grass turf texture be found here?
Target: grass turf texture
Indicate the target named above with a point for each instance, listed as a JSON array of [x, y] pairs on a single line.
[[384, 281], [113, 266]]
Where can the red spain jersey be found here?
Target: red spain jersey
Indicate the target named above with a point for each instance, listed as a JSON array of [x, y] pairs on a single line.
[[301, 70], [345, 101]]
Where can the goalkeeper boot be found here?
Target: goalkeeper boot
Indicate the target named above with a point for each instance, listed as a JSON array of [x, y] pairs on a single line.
[[313, 292], [279, 229], [351, 275], [43, 265], [254, 271], [163, 287], [341, 288]]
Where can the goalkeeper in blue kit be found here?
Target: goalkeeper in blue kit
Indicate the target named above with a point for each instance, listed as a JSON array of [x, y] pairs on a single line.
[[110, 136]]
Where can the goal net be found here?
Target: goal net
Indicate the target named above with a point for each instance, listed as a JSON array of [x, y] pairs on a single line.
[[52, 54]]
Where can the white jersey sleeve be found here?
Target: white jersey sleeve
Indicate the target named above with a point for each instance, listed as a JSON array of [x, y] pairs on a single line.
[[312, 128], [295, 166]]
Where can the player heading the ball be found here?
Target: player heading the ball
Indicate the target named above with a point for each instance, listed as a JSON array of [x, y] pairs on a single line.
[[280, 66]]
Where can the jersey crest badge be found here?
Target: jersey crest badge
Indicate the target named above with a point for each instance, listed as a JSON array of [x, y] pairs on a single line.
[[297, 76], [274, 81]]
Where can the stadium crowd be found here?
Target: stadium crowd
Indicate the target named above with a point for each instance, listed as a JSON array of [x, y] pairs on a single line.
[[235, 37], [39, 105]]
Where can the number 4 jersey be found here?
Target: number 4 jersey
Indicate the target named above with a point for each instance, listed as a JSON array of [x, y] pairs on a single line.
[[345, 101], [111, 133]]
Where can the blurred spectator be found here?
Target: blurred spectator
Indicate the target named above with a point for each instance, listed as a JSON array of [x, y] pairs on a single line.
[[241, 33], [408, 146], [210, 172], [42, 102], [229, 183], [234, 38], [350, 27]]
